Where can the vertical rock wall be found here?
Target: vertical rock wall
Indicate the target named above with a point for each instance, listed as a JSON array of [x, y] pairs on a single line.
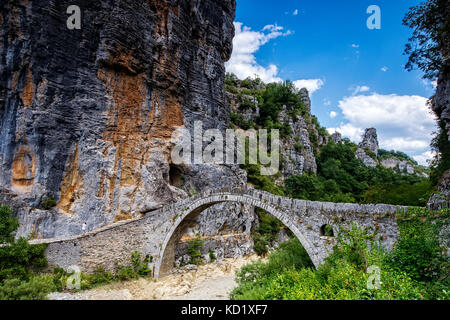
[[87, 116]]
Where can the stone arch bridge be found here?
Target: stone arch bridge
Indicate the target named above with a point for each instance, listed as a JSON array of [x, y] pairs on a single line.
[[157, 233]]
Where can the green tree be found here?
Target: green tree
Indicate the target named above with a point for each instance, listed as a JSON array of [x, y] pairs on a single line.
[[429, 44], [8, 224]]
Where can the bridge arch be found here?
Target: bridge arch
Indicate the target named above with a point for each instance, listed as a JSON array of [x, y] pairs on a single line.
[[191, 210]]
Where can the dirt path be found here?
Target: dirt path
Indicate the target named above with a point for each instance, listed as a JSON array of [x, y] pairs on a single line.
[[209, 282]]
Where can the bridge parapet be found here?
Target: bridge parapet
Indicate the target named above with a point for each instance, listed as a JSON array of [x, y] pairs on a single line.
[[113, 244]]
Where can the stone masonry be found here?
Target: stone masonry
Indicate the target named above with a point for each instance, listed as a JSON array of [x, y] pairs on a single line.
[[159, 231]]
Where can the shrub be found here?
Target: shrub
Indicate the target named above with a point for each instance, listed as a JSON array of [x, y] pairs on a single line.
[[8, 224], [17, 260], [212, 256], [194, 250], [36, 288], [48, 203], [343, 276], [418, 253]]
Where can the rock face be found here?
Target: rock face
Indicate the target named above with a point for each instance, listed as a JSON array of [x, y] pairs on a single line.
[[365, 158], [87, 116], [370, 140], [441, 198], [336, 137], [440, 103], [298, 150]]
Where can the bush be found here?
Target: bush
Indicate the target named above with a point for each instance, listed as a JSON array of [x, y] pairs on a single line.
[[418, 253], [36, 288], [194, 250], [48, 203], [212, 256], [19, 259], [8, 224], [288, 275]]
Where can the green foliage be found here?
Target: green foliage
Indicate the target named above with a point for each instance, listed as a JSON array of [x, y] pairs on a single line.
[[416, 194], [48, 203], [429, 44], [194, 248], [212, 256], [238, 120], [8, 224], [384, 154], [417, 252], [36, 288], [19, 259], [343, 276], [274, 97], [341, 177], [298, 147], [267, 230]]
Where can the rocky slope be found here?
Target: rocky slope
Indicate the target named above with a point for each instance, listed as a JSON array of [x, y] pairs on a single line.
[[299, 148], [368, 153], [87, 116]]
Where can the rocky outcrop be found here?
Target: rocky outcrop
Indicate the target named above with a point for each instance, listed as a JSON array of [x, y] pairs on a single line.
[[370, 141], [441, 198], [297, 149], [365, 158], [402, 166], [336, 137], [87, 116]]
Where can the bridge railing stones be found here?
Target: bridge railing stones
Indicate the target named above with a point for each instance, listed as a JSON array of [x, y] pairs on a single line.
[[151, 232]]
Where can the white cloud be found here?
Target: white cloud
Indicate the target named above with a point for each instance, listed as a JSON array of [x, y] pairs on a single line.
[[424, 158], [403, 123], [295, 12], [243, 61], [384, 69], [326, 102], [348, 130], [430, 85], [245, 44], [359, 89], [333, 114], [355, 45], [311, 84]]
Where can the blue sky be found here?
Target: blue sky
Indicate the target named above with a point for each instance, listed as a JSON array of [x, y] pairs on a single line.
[[356, 75]]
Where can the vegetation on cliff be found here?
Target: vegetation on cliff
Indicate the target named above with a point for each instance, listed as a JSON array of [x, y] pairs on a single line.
[[428, 50], [340, 177], [417, 268]]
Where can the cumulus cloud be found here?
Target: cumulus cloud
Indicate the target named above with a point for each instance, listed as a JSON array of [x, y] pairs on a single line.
[[245, 44], [403, 123], [311, 84], [333, 114], [384, 69], [295, 12], [354, 45], [243, 61], [425, 158]]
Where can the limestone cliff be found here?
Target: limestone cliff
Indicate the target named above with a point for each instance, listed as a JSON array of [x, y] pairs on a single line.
[[87, 116], [298, 149]]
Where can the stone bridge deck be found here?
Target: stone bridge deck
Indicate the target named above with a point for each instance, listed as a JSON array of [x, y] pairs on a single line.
[[157, 233]]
